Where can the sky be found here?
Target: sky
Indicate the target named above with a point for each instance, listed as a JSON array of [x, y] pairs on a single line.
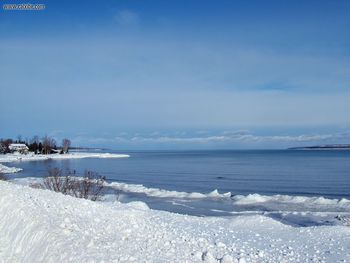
[[177, 74]]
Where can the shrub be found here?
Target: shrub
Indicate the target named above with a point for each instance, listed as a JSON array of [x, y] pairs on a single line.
[[90, 186]]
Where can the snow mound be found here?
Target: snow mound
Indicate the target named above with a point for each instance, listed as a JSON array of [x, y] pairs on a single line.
[[267, 203], [44, 226], [156, 192], [256, 198], [293, 203], [7, 170], [138, 205]]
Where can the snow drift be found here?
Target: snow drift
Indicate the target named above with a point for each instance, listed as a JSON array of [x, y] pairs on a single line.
[[43, 226]]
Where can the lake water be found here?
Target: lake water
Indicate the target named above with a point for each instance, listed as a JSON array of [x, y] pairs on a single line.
[[263, 172]]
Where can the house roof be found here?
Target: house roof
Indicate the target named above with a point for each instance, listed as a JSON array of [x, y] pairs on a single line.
[[14, 146]]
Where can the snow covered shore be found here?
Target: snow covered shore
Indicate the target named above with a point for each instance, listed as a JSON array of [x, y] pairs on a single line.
[[43, 226], [8, 158]]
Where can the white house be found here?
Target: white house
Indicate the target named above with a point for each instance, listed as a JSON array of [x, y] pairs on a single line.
[[18, 147]]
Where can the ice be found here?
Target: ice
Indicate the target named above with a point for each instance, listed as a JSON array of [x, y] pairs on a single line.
[[6, 158], [6, 170], [156, 192]]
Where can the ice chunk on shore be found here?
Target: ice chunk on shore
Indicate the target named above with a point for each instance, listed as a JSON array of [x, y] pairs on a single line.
[[162, 193], [6, 170]]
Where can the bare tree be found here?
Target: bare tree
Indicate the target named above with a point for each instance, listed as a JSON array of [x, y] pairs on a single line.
[[5, 145], [48, 144], [65, 145], [35, 139]]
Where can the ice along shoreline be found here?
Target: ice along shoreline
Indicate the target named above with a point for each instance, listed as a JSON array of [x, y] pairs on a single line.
[[12, 158]]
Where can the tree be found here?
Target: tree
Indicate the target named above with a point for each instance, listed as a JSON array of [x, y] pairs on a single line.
[[2, 147], [65, 145], [5, 145], [48, 145], [40, 147], [34, 145]]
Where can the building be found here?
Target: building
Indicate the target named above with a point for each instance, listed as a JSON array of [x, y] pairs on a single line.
[[18, 147]]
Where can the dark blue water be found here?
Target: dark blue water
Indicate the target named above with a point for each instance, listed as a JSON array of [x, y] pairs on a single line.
[[307, 173]]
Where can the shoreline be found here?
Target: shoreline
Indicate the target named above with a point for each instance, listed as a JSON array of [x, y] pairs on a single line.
[[13, 158], [7, 158]]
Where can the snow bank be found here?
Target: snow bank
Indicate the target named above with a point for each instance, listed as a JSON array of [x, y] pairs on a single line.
[[156, 192], [7, 170], [273, 202], [292, 210], [256, 198], [288, 202], [43, 226], [6, 158]]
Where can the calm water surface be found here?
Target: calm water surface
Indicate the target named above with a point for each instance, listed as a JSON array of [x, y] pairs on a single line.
[[308, 173]]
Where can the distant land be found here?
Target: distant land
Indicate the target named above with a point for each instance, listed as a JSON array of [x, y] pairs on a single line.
[[323, 147], [86, 148]]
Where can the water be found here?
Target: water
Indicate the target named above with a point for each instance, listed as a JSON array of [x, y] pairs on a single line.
[[265, 172]]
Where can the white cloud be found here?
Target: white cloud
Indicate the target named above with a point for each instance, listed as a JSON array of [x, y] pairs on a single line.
[[240, 138]]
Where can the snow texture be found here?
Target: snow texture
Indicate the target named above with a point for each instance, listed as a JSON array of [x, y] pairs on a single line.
[[7, 170], [7, 158], [43, 226], [17, 157]]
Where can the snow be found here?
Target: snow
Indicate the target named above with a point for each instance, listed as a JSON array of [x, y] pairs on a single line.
[[7, 170], [272, 202], [292, 210], [43, 226], [156, 192], [17, 157], [18, 146], [6, 158]]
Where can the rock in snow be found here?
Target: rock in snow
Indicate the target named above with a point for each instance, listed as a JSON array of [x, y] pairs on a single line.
[[43, 226]]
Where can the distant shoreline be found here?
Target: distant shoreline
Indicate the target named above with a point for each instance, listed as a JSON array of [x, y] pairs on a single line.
[[323, 147], [87, 148]]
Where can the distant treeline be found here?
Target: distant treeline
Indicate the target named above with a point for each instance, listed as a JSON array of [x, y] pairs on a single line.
[[45, 145]]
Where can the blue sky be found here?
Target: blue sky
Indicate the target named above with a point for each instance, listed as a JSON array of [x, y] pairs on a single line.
[[177, 74]]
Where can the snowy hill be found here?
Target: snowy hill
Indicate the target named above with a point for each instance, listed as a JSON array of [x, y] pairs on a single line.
[[43, 226]]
